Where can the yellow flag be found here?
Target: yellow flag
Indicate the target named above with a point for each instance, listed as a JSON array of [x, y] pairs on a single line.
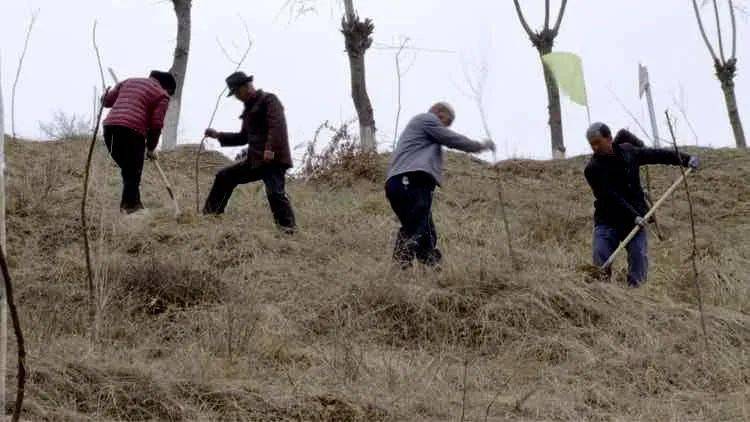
[[568, 72]]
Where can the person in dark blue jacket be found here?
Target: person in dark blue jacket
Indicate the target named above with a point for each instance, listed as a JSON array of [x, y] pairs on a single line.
[[620, 204]]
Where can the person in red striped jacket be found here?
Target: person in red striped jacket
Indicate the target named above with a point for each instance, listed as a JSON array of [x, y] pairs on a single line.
[[133, 127]]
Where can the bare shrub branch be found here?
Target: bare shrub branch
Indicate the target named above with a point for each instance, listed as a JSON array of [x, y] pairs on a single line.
[[238, 64], [34, 15], [694, 248], [64, 126], [477, 89]]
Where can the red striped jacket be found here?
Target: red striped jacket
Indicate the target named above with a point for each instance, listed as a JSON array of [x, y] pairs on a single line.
[[137, 103]]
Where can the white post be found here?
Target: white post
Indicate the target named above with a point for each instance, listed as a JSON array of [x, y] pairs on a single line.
[[645, 87], [652, 112], [3, 311]]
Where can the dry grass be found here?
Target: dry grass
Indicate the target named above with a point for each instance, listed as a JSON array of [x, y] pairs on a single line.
[[226, 319]]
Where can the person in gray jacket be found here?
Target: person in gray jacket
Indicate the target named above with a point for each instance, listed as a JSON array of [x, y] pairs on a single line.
[[416, 169]]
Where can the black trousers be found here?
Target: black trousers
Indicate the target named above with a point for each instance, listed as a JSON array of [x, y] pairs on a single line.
[[128, 148], [410, 196], [272, 176]]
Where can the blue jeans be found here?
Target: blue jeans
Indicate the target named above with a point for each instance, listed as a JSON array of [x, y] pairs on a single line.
[[606, 240]]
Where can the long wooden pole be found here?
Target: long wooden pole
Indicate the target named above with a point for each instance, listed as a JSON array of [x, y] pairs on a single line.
[[648, 215]]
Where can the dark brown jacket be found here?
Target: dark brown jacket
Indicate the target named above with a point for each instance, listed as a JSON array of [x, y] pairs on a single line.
[[263, 129]]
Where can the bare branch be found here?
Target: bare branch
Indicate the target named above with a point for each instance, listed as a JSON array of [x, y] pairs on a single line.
[[383, 46], [694, 252], [477, 94], [524, 24], [21, 386], [399, 75], [18, 73], [560, 17], [225, 52], [297, 8], [238, 62], [546, 14], [632, 116], [464, 388], [213, 115], [703, 31], [734, 30], [682, 107], [84, 228], [718, 31], [98, 57]]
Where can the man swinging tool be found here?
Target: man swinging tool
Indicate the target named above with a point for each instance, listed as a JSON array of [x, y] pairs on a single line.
[[613, 174], [416, 169]]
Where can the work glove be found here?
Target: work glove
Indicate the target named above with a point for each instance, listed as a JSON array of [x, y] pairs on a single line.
[[640, 221], [694, 162], [152, 155], [488, 144]]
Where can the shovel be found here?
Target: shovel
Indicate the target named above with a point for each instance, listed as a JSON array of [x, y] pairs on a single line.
[[599, 271], [168, 186]]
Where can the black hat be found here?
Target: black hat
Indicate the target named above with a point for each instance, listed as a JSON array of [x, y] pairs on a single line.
[[236, 80], [166, 80]]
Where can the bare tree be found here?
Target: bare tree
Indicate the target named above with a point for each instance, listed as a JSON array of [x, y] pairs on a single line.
[[476, 93], [399, 75], [84, 198], [694, 243], [543, 41], [726, 68], [18, 73], [6, 291], [358, 39], [179, 69]]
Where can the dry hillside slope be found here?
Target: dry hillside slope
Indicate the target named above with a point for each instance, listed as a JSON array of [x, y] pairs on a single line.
[[225, 319]]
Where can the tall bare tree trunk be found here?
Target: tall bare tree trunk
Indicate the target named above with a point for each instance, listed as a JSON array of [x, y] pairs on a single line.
[[555, 110], [358, 38], [543, 41], [179, 69], [725, 68], [726, 77]]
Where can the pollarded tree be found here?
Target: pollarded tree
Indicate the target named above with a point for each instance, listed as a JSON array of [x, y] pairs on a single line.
[[543, 41], [358, 39], [726, 67]]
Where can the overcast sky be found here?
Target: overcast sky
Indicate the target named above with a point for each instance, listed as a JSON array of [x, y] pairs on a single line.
[[303, 61]]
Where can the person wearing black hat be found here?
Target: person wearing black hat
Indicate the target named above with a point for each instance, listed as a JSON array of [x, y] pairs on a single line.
[[268, 154], [620, 204], [133, 127]]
